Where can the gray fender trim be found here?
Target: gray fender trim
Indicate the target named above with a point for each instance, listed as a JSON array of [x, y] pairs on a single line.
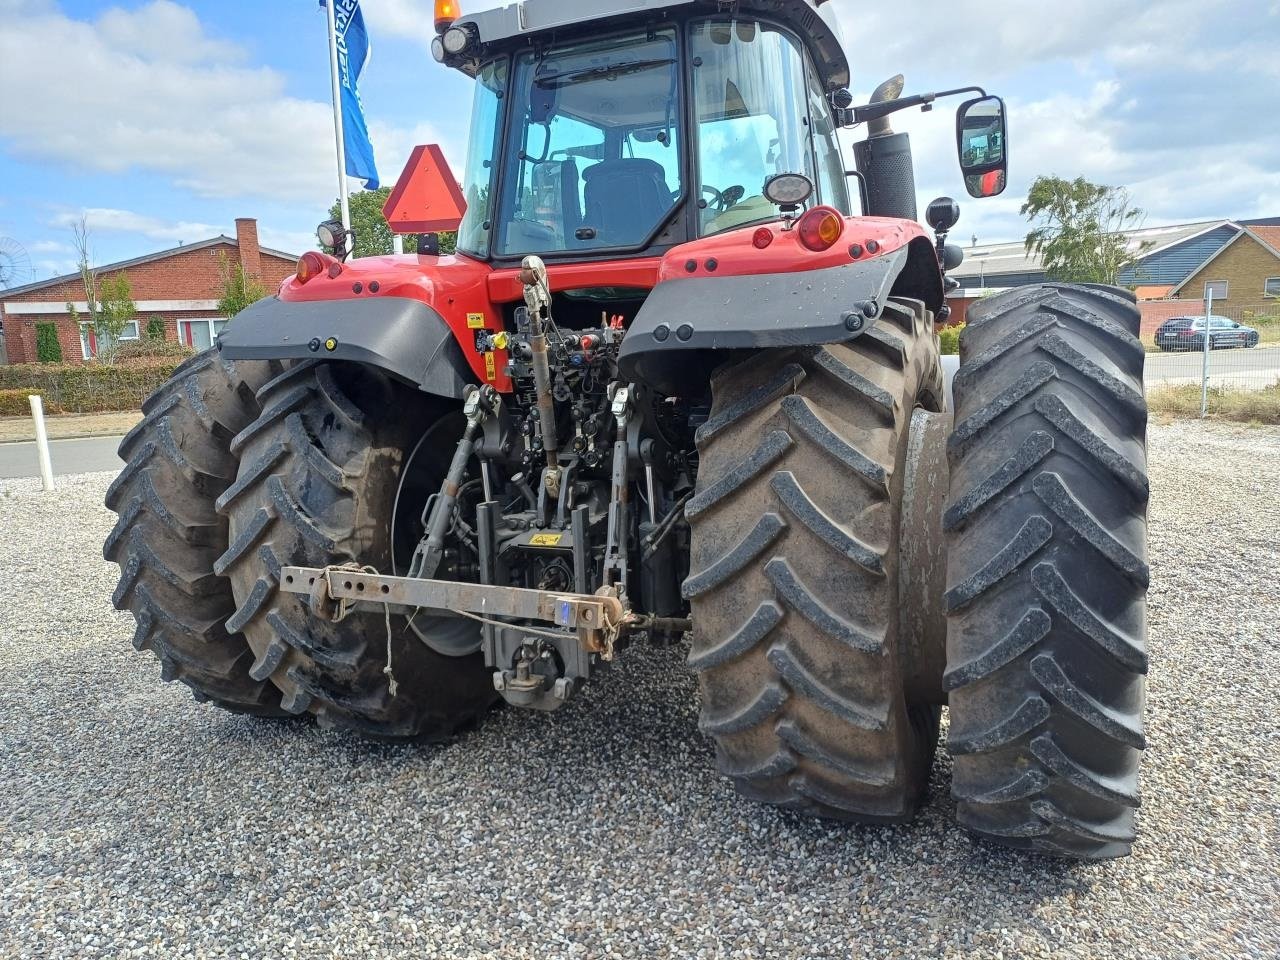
[[685, 322], [404, 337]]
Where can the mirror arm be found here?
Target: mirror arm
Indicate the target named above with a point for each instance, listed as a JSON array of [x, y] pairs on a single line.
[[875, 111]]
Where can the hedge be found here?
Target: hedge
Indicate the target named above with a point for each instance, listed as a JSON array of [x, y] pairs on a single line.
[[949, 339], [90, 387], [14, 403]]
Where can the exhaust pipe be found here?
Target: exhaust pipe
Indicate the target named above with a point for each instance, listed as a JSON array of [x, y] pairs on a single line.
[[884, 160]]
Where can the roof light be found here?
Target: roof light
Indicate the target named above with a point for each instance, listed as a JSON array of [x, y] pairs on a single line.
[[447, 11], [456, 40], [820, 228]]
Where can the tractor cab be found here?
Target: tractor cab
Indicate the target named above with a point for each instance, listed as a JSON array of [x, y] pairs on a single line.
[[641, 126]]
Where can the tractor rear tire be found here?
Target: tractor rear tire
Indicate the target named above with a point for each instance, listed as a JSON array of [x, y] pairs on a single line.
[[168, 535], [794, 579], [319, 473], [1047, 571]]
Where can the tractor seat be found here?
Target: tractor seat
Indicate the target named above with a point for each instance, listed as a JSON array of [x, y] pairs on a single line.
[[625, 200]]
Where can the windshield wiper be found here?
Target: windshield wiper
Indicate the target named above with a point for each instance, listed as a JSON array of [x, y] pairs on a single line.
[[606, 72]]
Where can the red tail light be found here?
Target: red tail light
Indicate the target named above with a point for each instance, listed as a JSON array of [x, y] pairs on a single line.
[[312, 263], [820, 228], [763, 237]]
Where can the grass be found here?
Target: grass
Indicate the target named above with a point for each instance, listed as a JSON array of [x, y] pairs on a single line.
[[1241, 406]]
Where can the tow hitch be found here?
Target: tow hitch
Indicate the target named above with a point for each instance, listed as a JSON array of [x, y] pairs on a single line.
[[550, 663]]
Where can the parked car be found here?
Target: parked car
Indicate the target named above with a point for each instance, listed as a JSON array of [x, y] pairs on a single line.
[[1187, 333]]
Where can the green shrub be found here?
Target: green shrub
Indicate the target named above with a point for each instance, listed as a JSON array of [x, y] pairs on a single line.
[[14, 403], [48, 349], [155, 329], [949, 339], [90, 387]]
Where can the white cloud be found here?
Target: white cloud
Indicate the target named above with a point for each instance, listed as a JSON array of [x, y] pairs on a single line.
[[105, 219], [152, 93], [1167, 100]]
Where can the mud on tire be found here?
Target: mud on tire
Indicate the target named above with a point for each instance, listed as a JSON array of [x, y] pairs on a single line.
[[794, 572], [1047, 570], [317, 485], [168, 534]]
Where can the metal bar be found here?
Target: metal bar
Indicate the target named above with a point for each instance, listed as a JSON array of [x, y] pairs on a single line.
[[338, 132], [486, 535], [581, 558], [586, 614]]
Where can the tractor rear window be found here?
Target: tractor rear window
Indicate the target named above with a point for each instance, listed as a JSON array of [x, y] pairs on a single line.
[[594, 156], [751, 97]]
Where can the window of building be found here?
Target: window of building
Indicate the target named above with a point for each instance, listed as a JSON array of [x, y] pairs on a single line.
[[199, 334], [93, 340], [1215, 288], [1271, 287]]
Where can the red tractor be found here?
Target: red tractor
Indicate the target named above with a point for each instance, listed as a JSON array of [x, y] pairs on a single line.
[[671, 384]]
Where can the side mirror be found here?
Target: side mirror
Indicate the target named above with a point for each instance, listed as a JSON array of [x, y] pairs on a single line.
[[981, 141]]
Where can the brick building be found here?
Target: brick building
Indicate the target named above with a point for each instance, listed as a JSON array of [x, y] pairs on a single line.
[[1243, 272], [180, 287]]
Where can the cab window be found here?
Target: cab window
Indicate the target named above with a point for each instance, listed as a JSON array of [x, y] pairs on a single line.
[[593, 159], [833, 185], [751, 103]]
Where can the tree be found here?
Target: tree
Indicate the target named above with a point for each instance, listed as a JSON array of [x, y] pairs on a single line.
[[109, 304], [116, 310], [373, 234], [237, 289], [1079, 229], [48, 349]]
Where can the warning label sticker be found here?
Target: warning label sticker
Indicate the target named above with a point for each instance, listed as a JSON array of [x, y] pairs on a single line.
[[475, 321], [546, 540]]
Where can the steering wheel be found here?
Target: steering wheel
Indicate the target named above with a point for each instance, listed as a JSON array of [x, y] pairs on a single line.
[[722, 200]]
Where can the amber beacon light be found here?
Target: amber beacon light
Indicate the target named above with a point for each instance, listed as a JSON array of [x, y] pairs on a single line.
[[446, 12]]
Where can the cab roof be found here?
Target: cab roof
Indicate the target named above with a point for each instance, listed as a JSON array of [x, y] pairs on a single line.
[[530, 19]]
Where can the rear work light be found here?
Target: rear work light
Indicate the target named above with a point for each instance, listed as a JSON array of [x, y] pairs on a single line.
[[820, 228]]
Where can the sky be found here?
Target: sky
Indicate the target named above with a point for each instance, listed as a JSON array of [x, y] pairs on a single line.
[[160, 122]]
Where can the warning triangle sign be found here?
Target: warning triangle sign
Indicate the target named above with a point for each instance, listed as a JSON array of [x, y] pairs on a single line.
[[426, 198]]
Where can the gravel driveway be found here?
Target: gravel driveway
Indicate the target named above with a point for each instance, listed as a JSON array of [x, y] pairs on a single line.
[[135, 822]]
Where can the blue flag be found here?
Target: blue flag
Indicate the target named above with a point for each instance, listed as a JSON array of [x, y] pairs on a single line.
[[353, 53]]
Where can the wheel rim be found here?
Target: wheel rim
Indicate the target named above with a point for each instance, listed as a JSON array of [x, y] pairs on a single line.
[[445, 633]]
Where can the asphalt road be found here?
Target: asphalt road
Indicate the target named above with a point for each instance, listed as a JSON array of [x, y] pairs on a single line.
[[1256, 367], [89, 455]]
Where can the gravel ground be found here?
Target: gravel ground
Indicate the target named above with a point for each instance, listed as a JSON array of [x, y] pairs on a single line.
[[135, 822]]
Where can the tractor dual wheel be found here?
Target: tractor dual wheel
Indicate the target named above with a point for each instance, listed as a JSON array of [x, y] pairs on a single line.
[[168, 535], [1047, 571], [794, 582], [320, 471]]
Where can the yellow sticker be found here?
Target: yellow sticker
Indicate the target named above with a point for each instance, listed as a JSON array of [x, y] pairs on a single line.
[[475, 321], [490, 367], [546, 540]]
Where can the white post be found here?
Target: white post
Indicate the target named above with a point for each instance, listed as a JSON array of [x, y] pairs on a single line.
[[336, 84], [397, 244], [42, 442], [1208, 339]]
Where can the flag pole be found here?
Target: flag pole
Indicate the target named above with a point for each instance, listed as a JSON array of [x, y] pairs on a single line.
[[343, 197]]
